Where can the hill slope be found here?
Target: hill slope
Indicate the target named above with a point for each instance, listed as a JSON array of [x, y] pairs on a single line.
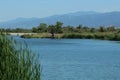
[[89, 18]]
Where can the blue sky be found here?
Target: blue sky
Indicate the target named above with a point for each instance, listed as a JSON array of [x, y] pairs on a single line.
[[11, 9]]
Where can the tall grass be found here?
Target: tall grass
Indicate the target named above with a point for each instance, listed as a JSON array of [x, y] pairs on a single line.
[[17, 62], [102, 36]]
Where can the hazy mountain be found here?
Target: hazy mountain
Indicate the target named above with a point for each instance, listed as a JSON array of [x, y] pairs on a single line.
[[89, 18], [81, 13]]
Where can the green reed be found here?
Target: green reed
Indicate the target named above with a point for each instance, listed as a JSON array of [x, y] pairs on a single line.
[[17, 62]]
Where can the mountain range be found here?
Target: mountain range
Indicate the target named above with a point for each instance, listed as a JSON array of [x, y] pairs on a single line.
[[88, 18]]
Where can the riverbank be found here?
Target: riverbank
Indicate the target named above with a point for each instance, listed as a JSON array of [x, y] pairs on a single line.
[[41, 35], [102, 36], [99, 35], [20, 34]]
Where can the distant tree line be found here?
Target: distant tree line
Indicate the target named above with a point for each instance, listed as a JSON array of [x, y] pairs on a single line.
[[17, 30], [80, 31], [43, 28], [59, 28]]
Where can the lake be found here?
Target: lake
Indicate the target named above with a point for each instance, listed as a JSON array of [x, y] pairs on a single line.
[[77, 59]]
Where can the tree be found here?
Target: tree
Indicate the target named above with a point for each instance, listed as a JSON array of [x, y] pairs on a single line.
[[85, 29], [42, 27], [78, 28], [34, 29], [111, 28], [52, 30], [102, 29], [58, 27], [92, 30]]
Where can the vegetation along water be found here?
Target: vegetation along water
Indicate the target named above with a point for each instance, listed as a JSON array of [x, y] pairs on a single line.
[[17, 62], [59, 31]]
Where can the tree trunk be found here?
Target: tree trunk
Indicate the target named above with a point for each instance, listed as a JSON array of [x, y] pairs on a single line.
[[52, 36]]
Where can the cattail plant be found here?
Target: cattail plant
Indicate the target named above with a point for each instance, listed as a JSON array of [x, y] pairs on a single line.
[[17, 62]]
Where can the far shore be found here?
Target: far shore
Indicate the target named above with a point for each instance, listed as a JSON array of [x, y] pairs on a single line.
[[98, 35], [20, 34]]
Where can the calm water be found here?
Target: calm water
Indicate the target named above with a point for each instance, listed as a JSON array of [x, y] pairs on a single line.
[[76, 59]]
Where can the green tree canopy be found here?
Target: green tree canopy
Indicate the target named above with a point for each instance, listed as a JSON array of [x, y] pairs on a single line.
[[42, 27], [52, 30], [58, 27]]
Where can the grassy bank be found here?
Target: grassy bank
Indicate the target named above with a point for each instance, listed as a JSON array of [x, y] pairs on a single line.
[[41, 35], [17, 62], [102, 36], [98, 35]]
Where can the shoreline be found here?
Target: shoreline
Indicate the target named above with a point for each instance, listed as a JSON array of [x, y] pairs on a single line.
[[100, 36], [20, 34]]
